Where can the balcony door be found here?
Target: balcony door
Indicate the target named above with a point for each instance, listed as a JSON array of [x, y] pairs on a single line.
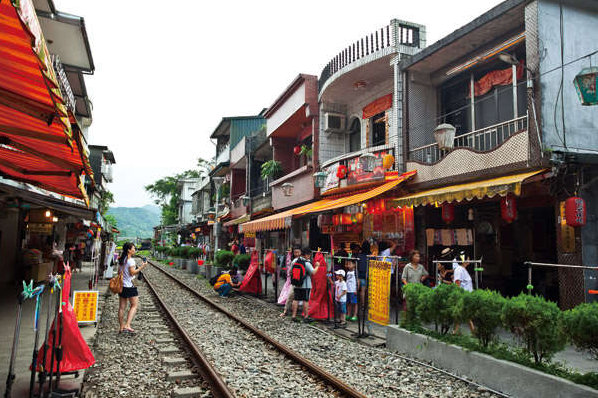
[[378, 123], [355, 135]]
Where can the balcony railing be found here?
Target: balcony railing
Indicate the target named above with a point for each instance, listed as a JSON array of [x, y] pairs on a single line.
[[379, 40], [223, 156], [482, 140]]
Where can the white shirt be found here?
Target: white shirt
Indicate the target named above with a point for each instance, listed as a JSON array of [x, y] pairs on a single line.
[[127, 277], [339, 288], [351, 282], [462, 275]]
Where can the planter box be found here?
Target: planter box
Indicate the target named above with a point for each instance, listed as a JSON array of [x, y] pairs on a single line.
[[500, 375], [178, 262], [191, 266]]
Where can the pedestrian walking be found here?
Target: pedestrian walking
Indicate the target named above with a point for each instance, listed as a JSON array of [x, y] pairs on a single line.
[[340, 296], [129, 294], [351, 291], [414, 272], [301, 279]]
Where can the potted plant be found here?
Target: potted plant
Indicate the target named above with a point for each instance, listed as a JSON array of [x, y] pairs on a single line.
[[270, 170]]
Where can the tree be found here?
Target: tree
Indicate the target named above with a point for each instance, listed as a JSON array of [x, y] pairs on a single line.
[[166, 192], [107, 199], [111, 220]]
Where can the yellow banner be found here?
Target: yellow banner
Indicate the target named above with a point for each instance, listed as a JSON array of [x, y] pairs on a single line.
[[85, 305], [379, 292], [249, 234]]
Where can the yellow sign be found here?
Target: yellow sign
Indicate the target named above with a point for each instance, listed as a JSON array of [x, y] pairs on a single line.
[[379, 292], [85, 305], [567, 233], [249, 234]]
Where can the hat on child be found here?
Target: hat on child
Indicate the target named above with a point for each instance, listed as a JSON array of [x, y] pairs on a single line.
[[340, 272]]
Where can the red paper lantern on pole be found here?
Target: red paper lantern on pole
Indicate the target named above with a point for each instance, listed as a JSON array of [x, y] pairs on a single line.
[[297, 150], [341, 172], [448, 212], [575, 212], [508, 209]]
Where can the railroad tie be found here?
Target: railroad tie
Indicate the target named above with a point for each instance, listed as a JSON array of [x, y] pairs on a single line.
[[187, 392], [164, 340], [168, 350], [180, 375], [173, 361]]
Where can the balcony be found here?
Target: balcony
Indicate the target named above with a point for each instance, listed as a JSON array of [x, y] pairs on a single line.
[[398, 36], [65, 87], [504, 145], [237, 208], [223, 156], [261, 201]]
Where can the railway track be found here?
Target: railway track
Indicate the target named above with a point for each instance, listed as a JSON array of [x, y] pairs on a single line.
[[265, 368]]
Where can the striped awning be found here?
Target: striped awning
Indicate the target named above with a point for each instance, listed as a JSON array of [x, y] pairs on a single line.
[[238, 220], [456, 193], [34, 119], [283, 220]]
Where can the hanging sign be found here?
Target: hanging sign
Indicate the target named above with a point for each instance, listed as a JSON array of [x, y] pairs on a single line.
[[85, 305], [357, 174], [567, 232], [332, 179], [40, 228], [379, 292], [379, 105]]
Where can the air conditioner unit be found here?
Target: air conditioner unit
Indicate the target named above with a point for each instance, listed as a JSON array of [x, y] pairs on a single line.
[[334, 122]]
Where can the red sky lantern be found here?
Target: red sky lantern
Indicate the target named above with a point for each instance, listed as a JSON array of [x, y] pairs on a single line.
[[341, 172], [297, 150], [508, 209], [575, 212], [448, 212]]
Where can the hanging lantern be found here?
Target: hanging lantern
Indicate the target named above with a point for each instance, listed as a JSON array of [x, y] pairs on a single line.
[[388, 161], [336, 219], [368, 162], [445, 136], [585, 84], [297, 150], [288, 189], [341, 172], [320, 179], [346, 219], [359, 218], [380, 206], [508, 209], [448, 212], [575, 212]]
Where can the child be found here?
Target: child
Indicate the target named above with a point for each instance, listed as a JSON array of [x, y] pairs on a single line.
[[340, 296], [351, 292]]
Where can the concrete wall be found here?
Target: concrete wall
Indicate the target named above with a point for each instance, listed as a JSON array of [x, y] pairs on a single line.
[[579, 27]]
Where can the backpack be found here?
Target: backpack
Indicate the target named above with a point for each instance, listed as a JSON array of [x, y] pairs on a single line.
[[214, 279], [298, 272]]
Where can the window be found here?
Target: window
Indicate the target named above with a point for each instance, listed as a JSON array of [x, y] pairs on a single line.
[[378, 123], [355, 135]]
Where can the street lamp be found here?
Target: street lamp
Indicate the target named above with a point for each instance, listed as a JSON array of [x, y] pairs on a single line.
[[586, 83], [320, 179], [217, 184]]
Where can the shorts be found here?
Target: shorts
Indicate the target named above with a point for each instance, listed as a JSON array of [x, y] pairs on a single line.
[[301, 294], [363, 282], [129, 292], [352, 298], [341, 307]]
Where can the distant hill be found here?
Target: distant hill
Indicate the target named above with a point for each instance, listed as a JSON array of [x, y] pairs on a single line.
[[136, 221]]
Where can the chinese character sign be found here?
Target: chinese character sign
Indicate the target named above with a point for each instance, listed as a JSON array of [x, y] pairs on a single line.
[[379, 292], [85, 306]]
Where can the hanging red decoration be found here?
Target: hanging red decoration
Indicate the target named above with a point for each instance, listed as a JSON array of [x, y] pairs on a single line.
[[336, 219], [448, 212], [297, 150], [341, 172], [359, 218], [575, 212], [380, 206], [346, 219], [508, 209]]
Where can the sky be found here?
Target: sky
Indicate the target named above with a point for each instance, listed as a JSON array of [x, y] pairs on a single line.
[[168, 71]]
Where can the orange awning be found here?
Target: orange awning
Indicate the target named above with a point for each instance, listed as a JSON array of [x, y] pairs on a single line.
[[282, 220], [33, 117]]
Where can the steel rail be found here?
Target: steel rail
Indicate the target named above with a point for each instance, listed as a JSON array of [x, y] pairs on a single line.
[[206, 370], [314, 369]]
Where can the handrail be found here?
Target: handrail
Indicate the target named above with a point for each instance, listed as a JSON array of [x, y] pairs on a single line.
[[531, 264]]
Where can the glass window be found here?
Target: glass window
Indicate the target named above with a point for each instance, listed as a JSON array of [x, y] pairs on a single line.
[[355, 135], [378, 124]]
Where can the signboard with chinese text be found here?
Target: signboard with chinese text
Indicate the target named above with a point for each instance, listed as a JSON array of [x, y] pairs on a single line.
[[40, 228], [85, 305], [357, 174], [567, 233], [332, 180], [379, 291]]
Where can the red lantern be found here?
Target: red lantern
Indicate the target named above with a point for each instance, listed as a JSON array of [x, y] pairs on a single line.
[[346, 219], [508, 209], [231, 229], [575, 212], [336, 219], [341, 172], [380, 206], [297, 150], [448, 212], [359, 218]]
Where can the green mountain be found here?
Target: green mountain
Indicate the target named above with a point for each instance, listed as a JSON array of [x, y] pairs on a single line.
[[136, 221]]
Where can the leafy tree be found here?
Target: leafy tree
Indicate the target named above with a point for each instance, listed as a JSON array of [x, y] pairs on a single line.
[[111, 220], [167, 194], [107, 199]]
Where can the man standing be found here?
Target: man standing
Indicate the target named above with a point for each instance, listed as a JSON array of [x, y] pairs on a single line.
[[302, 292]]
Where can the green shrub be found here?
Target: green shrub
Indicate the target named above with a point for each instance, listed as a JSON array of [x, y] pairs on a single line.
[[535, 322], [241, 261], [224, 258], [184, 251], [194, 252], [484, 308], [413, 293], [580, 325], [439, 306]]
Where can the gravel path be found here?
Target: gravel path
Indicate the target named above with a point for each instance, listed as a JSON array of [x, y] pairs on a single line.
[[249, 366], [130, 365], [374, 372]]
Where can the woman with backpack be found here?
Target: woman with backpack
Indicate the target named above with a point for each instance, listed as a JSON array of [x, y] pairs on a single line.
[[128, 270], [301, 280]]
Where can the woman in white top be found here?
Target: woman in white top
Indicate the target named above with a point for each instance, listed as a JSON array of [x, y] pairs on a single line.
[[126, 265]]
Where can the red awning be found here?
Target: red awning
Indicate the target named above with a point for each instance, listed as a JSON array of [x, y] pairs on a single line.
[[35, 129]]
